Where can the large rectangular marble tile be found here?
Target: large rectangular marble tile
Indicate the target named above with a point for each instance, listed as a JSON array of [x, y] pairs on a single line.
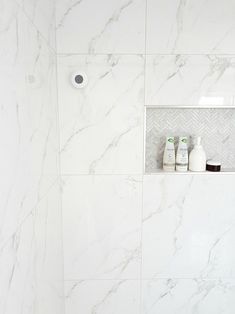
[[190, 80], [29, 169], [42, 15], [28, 126], [102, 124], [113, 26], [102, 296], [102, 223], [188, 296], [46, 267], [28, 120], [31, 258], [190, 26], [189, 226]]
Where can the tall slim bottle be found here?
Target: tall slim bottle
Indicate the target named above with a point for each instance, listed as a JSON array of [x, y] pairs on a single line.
[[169, 154], [182, 155]]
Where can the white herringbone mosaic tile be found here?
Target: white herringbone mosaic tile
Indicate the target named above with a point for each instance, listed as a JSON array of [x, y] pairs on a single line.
[[215, 126]]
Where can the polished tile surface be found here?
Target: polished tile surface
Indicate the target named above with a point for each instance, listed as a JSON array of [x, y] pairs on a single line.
[[102, 124], [105, 296], [188, 296], [190, 80], [30, 213], [191, 27], [42, 15], [30, 259], [188, 226], [113, 26], [102, 227], [179, 259]]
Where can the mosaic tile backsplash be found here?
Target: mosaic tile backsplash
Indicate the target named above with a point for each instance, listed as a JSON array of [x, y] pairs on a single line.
[[215, 126]]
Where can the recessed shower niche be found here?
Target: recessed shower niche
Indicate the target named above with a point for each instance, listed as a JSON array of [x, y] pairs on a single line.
[[216, 126]]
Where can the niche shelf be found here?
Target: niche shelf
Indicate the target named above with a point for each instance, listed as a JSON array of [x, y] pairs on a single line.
[[216, 126]]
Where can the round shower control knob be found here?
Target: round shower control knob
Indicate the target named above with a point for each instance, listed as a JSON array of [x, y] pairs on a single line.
[[79, 79]]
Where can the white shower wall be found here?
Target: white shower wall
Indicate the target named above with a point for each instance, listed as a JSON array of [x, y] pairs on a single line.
[[133, 243], [136, 243], [31, 260]]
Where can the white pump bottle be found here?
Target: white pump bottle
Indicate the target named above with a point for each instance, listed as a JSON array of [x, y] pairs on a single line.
[[197, 157]]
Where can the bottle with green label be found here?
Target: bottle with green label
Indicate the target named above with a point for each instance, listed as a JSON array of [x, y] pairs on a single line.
[[169, 154], [182, 155]]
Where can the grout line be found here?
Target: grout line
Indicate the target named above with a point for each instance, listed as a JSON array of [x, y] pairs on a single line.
[[151, 278], [156, 173], [101, 54], [191, 173], [212, 107], [60, 177], [101, 174], [143, 161], [143, 53], [190, 54], [101, 279]]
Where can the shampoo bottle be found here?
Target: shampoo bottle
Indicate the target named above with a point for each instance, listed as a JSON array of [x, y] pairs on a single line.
[[197, 157], [182, 155], [169, 154]]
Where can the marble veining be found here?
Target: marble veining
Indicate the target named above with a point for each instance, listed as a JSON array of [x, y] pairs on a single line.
[[31, 272], [109, 296], [102, 124], [191, 27], [190, 80], [132, 243], [188, 227], [42, 15], [188, 296], [109, 31], [103, 213], [30, 216]]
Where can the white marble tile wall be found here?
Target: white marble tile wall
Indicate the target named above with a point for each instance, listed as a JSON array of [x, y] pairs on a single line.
[[30, 213], [188, 226], [193, 80], [103, 296], [190, 27], [103, 214], [184, 296], [138, 53], [102, 243], [188, 239], [42, 15], [111, 26], [102, 125]]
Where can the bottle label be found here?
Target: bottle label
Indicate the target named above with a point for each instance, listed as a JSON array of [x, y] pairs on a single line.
[[182, 167]]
